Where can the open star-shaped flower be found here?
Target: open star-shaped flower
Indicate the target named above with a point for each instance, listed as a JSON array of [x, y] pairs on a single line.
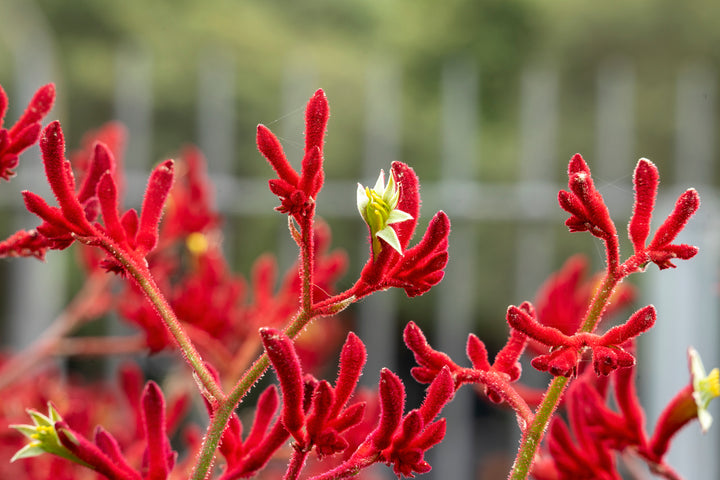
[[378, 207]]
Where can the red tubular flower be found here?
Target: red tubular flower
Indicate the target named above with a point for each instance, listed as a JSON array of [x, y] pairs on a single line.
[[284, 359], [73, 218], [26, 131], [160, 457], [494, 378], [104, 455], [297, 192], [608, 354], [661, 250], [327, 416], [245, 458], [587, 208], [401, 441], [419, 268]]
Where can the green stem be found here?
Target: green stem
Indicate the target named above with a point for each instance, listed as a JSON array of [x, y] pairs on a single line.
[[144, 279], [534, 434], [222, 415]]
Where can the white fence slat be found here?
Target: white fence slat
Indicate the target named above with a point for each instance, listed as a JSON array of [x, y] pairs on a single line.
[[455, 457]]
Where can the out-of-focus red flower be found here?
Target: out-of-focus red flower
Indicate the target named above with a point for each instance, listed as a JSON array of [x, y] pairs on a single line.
[[26, 131]]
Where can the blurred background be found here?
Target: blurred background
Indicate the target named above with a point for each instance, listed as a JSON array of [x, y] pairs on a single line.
[[486, 100]]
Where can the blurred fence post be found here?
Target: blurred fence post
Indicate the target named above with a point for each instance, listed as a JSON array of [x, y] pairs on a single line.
[[377, 314], [687, 297], [216, 111], [456, 456], [299, 83], [614, 120], [134, 109], [538, 137], [615, 133]]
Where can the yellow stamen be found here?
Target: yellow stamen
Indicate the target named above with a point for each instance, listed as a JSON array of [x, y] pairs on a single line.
[[197, 243], [712, 383]]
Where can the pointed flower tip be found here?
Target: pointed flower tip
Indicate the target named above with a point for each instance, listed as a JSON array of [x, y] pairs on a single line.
[[577, 164], [706, 387], [646, 162]]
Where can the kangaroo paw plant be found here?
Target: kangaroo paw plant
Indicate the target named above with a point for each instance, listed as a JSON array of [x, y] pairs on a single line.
[[161, 268]]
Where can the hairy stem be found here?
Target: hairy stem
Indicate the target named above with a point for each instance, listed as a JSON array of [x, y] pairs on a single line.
[[141, 274]]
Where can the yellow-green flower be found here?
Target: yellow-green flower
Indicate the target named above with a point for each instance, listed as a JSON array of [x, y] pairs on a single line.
[[43, 436], [378, 207], [705, 388]]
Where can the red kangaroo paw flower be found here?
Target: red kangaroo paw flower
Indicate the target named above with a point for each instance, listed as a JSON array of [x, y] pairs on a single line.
[[92, 455], [190, 208], [107, 195], [685, 207], [322, 400], [594, 213], [430, 360], [101, 162], [352, 360], [439, 393], [661, 251], [38, 107], [297, 192], [392, 404], [477, 353], [161, 458], [287, 367], [565, 350], [157, 191], [639, 322], [24, 243], [272, 150], [587, 208], [507, 359], [689, 404], [266, 407], [26, 131], [3, 105], [60, 178], [645, 179], [110, 447], [317, 113], [519, 319], [562, 362]]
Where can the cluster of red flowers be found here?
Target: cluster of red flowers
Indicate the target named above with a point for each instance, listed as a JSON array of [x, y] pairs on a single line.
[[181, 294]]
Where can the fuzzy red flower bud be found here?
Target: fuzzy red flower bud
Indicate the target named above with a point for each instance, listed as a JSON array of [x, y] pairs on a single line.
[[287, 367], [392, 404], [297, 192], [26, 131], [645, 180]]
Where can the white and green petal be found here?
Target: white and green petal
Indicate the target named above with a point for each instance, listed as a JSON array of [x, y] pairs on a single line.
[[705, 388], [378, 207], [43, 436]]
